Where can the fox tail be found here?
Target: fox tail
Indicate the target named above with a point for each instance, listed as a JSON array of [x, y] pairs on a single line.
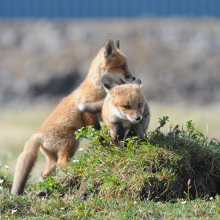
[[25, 163]]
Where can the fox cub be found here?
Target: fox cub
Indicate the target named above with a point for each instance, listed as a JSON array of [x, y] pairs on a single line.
[[55, 137], [123, 108]]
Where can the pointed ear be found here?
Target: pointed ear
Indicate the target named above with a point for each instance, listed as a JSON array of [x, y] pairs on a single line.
[[108, 88], [110, 49], [138, 81], [117, 42]]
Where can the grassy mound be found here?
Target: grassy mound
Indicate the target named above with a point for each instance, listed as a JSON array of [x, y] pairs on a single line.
[[123, 180], [178, 164]]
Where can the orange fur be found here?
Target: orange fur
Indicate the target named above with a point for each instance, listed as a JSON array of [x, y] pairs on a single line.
[[114, 110], [55, 137]]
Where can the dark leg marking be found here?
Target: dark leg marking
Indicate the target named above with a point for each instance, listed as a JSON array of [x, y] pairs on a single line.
[[119, 131]]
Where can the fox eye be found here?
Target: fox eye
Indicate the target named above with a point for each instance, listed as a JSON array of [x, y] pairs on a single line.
[[127, 106], [139, 105], [123, 67]]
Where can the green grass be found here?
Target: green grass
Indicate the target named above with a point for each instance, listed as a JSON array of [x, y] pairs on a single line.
[[136, 179], [97, 208]]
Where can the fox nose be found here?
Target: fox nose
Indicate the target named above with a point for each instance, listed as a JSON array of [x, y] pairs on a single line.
[[138, 118], [131, 78]]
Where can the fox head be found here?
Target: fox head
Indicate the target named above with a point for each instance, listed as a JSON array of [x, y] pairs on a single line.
[[127, 101], [115, 62]]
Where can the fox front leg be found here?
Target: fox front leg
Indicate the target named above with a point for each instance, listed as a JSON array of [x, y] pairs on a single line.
[[118, 132]]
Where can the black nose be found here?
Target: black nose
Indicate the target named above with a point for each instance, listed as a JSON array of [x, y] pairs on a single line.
[[138, 118], [130, 77]]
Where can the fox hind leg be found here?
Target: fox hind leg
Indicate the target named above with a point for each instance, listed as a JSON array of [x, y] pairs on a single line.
[[68, 151], [63, 157], [51, 160], [50, 167]]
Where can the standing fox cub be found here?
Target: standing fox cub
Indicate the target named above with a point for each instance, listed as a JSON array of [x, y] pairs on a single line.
[[123, 108], [55, 137]]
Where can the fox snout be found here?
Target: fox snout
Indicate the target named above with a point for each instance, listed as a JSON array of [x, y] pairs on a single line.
[[130, 78], [136, 119]]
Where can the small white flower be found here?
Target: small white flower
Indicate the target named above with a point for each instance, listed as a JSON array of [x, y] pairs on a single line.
[[7, 167], [1, 181], [13, 211], [183, 202], [135, 202], [75, 161], [81, 149], [1, 188]]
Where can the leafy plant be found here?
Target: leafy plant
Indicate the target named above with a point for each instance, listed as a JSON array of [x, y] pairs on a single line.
[[50, 185]]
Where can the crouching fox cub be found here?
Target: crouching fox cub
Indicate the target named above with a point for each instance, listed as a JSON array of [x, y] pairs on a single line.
[[123, 108], [55, 137]]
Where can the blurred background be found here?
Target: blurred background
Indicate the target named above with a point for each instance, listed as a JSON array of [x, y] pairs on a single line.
[[46, 48]]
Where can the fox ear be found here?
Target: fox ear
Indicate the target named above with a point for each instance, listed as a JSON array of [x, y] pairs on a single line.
[[110, 48], [107, 86], [138, 81], [108, 89], [117, 42]]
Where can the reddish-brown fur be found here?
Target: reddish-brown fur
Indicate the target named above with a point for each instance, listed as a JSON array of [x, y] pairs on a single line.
[[55, 137], [114, 109]]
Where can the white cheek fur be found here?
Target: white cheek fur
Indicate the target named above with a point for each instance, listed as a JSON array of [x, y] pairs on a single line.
[[118, 113]]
